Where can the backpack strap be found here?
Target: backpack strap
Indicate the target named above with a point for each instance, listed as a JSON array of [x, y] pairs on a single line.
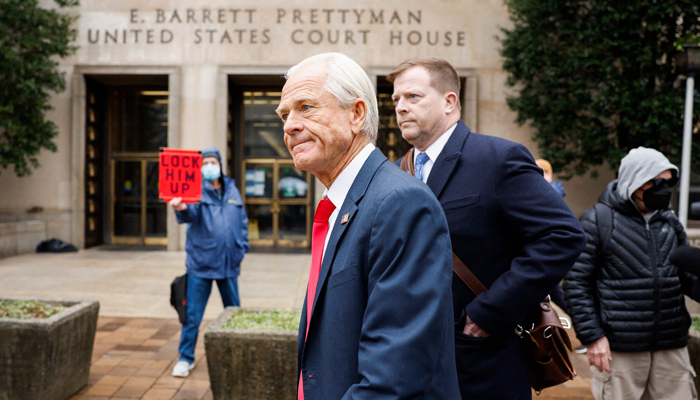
[[604, 217]]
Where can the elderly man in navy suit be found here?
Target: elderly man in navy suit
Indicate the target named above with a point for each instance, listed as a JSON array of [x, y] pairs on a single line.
[[507, 224], [377, 320]]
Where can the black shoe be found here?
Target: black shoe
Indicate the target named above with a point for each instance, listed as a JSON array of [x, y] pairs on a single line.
[[581, 350]]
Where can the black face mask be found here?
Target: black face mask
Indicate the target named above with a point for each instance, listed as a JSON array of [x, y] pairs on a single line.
[[657, 197]]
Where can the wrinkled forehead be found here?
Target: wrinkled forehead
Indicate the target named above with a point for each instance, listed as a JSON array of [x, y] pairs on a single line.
[[306, 84], [310, 77]]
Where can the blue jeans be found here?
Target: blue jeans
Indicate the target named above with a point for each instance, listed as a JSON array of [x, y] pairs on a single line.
[[198, 290]]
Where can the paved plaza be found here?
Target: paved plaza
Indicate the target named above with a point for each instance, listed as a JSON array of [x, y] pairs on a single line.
[[137, 283], [138, 331]]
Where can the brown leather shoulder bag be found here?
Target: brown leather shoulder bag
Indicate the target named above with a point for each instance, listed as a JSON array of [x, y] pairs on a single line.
[[547, 342]]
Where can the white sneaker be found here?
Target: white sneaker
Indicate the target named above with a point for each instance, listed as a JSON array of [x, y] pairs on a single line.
[[182, 369]]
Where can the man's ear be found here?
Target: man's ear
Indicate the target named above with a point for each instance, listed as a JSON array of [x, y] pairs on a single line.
[[451, 102], [358, 114]]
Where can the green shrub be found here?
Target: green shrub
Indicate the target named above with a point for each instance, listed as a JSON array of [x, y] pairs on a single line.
[[597, 78], [268, 320], [696, 324], [26, 309]]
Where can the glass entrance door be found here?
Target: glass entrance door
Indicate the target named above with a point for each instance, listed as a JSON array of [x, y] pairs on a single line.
[[138, 129], [278, 203], [139, 217], [277, 196]]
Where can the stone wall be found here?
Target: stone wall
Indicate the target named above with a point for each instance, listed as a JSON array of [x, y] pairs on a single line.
[[21, 231], [20, 237], [57, 222]]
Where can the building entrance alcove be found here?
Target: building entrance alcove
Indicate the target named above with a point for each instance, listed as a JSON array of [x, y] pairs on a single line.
[[126, 125], [389, 139], [278, 197]]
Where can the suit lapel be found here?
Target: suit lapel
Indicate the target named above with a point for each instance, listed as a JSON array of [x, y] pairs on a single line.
[[448, 159], [357, 191]]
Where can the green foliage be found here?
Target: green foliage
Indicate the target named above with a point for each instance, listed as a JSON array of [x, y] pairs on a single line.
[[596, 78], [690, 39], [30, 38], [25, 309], [269, 320], [696, 324]]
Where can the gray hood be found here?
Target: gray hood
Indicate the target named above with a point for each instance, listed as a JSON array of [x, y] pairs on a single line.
[[639, 167]]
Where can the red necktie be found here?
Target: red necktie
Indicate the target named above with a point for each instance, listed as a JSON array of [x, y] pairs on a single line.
[[318, 242]]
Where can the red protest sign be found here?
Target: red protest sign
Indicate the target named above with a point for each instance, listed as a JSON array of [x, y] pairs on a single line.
[[180, 175]]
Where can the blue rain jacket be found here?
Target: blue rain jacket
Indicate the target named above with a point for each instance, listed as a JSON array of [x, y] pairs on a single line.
[[217, 235]]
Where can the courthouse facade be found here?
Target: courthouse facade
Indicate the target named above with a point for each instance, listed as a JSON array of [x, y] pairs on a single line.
[[190, 74]]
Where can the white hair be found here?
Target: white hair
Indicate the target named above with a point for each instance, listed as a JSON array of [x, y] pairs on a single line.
[[347, 81]]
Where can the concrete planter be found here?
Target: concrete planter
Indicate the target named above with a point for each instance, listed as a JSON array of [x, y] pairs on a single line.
[[47, 359], [251, 365]]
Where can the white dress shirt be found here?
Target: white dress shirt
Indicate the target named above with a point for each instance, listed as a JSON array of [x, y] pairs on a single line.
[[433, 151], [340, 188]]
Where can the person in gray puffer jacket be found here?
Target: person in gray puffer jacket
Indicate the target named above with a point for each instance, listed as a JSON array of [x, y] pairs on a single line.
[[624, 296]]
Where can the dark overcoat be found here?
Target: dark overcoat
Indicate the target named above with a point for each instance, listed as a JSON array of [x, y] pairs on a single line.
[[519, 238]]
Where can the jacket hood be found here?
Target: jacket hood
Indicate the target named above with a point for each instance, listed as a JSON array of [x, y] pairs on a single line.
[[612, 198], [212, 152], [639, 167]]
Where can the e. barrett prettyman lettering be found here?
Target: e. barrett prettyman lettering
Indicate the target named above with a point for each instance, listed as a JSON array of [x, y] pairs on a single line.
[[214, 27]]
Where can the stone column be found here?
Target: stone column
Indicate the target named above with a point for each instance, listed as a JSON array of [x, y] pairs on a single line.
[[174, 140], [198, 108], [199, 127]]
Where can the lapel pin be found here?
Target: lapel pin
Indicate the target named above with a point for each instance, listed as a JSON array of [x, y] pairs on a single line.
[[345, 219]]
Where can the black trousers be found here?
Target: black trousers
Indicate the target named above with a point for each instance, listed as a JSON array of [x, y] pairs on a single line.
[[490, 368]]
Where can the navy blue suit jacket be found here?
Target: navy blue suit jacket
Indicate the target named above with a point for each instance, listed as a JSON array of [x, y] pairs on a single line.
[[381, 324], [507, 224]]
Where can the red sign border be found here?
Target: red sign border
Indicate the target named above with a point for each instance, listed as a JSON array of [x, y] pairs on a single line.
[[167, 199]]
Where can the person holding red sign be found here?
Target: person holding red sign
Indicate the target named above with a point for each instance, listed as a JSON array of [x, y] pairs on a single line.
[[217, 240]]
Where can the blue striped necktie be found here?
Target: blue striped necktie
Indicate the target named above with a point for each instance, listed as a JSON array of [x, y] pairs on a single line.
[[420, 161]]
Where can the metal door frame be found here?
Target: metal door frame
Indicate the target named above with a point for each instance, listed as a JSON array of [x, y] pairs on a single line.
[[276, 202], [144, 159]]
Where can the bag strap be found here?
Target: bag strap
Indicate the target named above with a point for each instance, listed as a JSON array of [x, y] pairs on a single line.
[[467, 276], [604, 217], [458, 266], [407, 162]]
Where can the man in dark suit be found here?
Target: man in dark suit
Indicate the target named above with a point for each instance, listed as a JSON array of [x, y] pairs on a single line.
[[507, 224], [377, 320]]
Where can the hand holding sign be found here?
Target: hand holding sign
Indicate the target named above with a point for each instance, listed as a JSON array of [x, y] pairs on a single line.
[[180, 176], [177, 204]]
